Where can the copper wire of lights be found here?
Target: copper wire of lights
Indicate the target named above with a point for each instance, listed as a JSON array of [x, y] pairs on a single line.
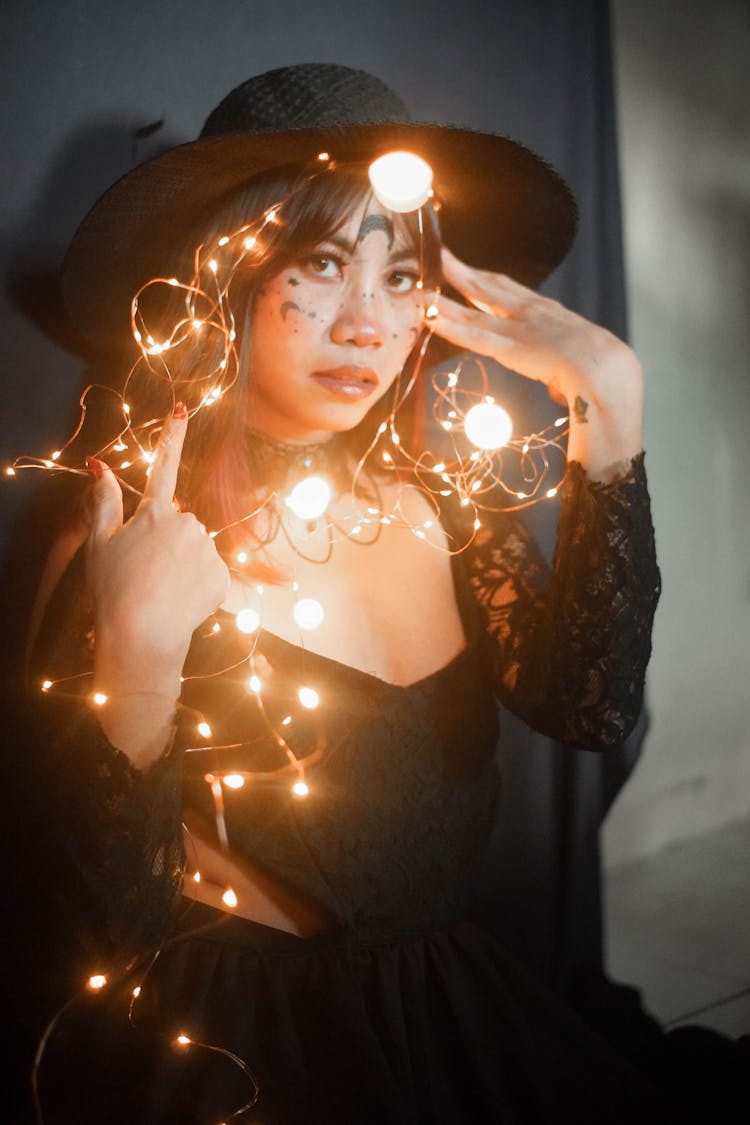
[[476, 442]]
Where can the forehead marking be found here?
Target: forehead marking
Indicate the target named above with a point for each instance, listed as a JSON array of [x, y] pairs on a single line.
[[376, 222]]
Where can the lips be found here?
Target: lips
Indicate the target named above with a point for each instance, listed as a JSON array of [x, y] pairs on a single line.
[[347, 382]]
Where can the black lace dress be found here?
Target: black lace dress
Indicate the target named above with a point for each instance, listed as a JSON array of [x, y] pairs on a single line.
[[402, 1012]]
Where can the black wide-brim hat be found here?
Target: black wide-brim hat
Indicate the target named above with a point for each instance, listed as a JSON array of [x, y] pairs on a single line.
[[503, 207]]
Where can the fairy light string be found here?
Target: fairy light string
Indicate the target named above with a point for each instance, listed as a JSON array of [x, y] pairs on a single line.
[[480, 464]]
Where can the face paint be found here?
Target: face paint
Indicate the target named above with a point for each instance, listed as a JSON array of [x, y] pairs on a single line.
[[373, 222], [287, 307]]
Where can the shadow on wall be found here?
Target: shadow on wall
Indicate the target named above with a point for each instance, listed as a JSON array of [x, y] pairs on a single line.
[[48, 361], [94, 158]]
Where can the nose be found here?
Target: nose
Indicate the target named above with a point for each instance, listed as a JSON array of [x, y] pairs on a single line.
[[359, 322]]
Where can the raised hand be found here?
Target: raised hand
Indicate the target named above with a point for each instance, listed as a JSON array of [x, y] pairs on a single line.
[[153, 580], [586, 365]]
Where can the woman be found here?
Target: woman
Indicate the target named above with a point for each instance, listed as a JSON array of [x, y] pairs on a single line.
[[311, 924]]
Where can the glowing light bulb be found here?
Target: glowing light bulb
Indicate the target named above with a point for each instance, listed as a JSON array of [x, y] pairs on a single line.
[[204, 730], [242, 557], [229, 898], [323, 156], [309, 498], [10, 471], [183, 1040], [46, 685], [431, 312], [223, 240], [216, 627], [233, 780], [97, 981], [247, 620], [402, 181], [308, 613], [197, 324], [488, 426], [56, 454], [213, 265], [99, 698], [253, 684], [308, 697], [250, 242], [551, 492], [173, 281], [300, 789], [136, 992]]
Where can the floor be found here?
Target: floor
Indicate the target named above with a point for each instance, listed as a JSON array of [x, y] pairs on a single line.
[[678, 926]]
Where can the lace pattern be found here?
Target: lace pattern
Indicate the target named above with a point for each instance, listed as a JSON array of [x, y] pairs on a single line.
[[570, 647]]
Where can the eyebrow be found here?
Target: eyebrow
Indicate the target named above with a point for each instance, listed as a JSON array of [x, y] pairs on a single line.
[[398, 254]]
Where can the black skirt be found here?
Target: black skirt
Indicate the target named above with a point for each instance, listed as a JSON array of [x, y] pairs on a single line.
[[435, 1027]]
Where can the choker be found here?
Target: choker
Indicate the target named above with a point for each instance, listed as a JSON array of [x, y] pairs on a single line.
[[278, 465]]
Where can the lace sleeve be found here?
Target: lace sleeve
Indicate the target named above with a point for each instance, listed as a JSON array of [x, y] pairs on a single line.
[[121, 827], [570, 647]]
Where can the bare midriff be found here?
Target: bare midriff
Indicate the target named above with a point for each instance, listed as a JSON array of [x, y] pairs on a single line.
[[260, 897]]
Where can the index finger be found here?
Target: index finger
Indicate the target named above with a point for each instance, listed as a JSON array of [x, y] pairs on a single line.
[[162, 480]]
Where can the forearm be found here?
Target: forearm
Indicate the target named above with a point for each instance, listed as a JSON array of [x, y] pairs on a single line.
[[141, 696], [606, 418]]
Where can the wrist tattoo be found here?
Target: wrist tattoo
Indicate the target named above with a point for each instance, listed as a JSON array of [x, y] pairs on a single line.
[[580, 409]]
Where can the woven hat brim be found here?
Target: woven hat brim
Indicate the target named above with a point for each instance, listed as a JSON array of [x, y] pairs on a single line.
[[502, 207]]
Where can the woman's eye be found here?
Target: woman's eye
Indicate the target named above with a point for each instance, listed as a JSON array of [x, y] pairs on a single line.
[[403, 281], [323, 265]]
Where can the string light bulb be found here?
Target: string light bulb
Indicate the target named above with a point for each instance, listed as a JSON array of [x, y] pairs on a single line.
[[247, 620], [308, 613], [308, 697], [401, 181], [309, 498], [488, 426], [233, 780]]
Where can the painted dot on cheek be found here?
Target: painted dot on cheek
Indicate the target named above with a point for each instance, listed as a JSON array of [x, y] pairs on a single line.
[[293, 281]]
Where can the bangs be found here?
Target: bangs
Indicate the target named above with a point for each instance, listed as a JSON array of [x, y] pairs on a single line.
[[313, 208]]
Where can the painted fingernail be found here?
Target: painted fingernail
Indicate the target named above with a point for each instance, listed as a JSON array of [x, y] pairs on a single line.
[[95, 468], [180, 411]]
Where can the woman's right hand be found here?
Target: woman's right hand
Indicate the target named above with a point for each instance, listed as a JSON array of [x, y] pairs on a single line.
[[153, 579]]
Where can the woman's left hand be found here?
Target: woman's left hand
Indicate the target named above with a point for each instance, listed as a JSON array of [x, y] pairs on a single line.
[[597, 374]]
